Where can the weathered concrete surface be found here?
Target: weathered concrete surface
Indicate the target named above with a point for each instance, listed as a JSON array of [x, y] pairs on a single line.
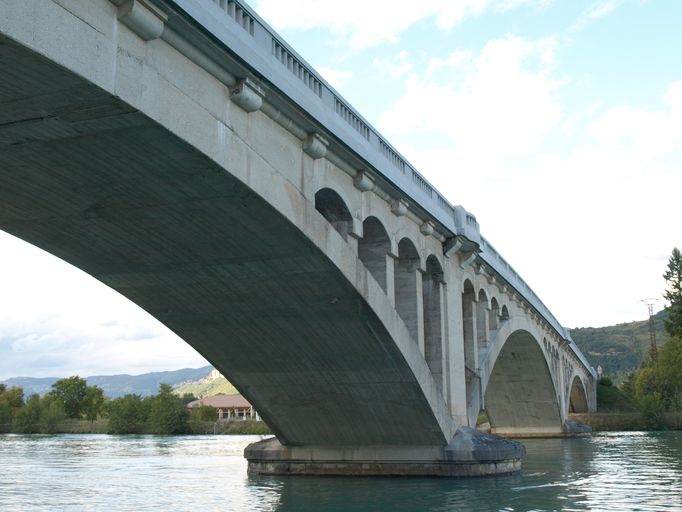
[[470, 453], [225, 251], [470, 444]]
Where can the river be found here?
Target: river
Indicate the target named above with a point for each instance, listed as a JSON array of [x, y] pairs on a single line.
[[610, 471]]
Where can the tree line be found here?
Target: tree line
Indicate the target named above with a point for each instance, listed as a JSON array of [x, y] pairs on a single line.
[[656, 387], [72, 398]]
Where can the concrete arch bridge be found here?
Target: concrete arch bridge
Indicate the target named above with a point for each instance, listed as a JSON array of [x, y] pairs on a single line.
[[183, 154]]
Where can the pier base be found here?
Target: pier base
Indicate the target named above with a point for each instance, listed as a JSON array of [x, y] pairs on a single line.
[[470, 453], [570, 429]]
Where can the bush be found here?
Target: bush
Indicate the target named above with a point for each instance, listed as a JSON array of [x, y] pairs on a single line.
[[51, 415], [28, 419], [128, 415], [605, 381], [652, 407], [203, 413], [168, 413], [5, 415]]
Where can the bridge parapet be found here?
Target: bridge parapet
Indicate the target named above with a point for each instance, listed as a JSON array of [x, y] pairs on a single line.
[[245, 34]]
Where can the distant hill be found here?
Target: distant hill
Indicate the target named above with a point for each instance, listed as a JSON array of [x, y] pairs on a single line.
[[115, 386], [621, 348], [208, 386]]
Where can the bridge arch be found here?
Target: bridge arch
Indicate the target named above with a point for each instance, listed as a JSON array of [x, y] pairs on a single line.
[[504, 315], [494, 318], [432, 294], [406, 268], [520, 395], [373, 249], [577, 396], [333, 208], [228, 253]]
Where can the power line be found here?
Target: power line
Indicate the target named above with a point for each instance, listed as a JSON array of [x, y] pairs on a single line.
[[653, 349]]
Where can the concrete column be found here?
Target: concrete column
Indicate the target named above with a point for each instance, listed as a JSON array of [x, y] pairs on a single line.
[[390, 278], [561, 385], [481, 325], [455, 350], [419, 298], [443, 342], [470, 321]]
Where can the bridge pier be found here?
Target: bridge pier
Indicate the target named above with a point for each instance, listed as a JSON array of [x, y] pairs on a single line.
[[470, 453]]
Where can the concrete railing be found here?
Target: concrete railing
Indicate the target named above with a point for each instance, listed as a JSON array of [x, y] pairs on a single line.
[[244, 34]]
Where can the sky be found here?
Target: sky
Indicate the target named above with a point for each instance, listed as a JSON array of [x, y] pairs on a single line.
[[558, 123]]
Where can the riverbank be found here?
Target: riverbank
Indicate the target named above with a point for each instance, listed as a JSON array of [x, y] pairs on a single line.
[[628, 422], [101, 426]]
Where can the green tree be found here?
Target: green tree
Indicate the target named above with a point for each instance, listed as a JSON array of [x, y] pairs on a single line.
[[628, 387], [168, 414], [670, 370], [71, 393], [28, 419], [187, 398], [51, 414], [13, 397], [93, 402], [127, 415], [673, 294], [204, 413], [11, 402], [648, 382], [5, 416]]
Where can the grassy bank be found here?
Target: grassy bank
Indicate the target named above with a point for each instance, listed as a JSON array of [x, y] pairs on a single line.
[[101, 426], [630, 421]]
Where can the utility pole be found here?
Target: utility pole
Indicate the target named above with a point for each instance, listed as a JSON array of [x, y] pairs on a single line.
[[653, 350]]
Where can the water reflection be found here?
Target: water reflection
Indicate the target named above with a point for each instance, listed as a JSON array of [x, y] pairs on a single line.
[[624, 471]]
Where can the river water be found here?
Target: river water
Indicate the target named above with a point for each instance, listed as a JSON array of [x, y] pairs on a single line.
[[614, 471]]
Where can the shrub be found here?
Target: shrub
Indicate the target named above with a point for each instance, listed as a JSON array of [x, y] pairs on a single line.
[[168, 413], [128, 415]]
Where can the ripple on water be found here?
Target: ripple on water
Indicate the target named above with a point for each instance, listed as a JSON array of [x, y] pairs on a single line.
[[622, 471]]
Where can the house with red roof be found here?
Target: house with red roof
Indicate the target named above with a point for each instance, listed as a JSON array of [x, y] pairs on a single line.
[[228, 407]]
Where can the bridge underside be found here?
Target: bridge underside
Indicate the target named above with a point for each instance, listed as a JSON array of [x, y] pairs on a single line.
[[520, 398], [98, 184]]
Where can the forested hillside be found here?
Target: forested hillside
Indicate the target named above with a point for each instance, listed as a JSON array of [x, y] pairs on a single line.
[[206, 386], [619, 349]]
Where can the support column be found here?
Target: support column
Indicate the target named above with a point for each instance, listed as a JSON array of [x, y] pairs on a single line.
[[455, 353], [420, 310], [444, 344], [390, 278]]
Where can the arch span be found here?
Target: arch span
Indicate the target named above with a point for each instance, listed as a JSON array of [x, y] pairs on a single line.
[[333, 208], [406, 268], [520, 397], [577, 397], [373, 249], [220, 246]]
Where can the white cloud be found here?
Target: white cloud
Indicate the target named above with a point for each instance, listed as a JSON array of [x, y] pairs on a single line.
[[588, 222], [57, 321], [395, 67], [361, 24], [336, 77], [595, 11], [498, 103]]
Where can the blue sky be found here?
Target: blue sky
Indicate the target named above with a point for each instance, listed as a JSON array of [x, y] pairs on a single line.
[[558, 123]]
